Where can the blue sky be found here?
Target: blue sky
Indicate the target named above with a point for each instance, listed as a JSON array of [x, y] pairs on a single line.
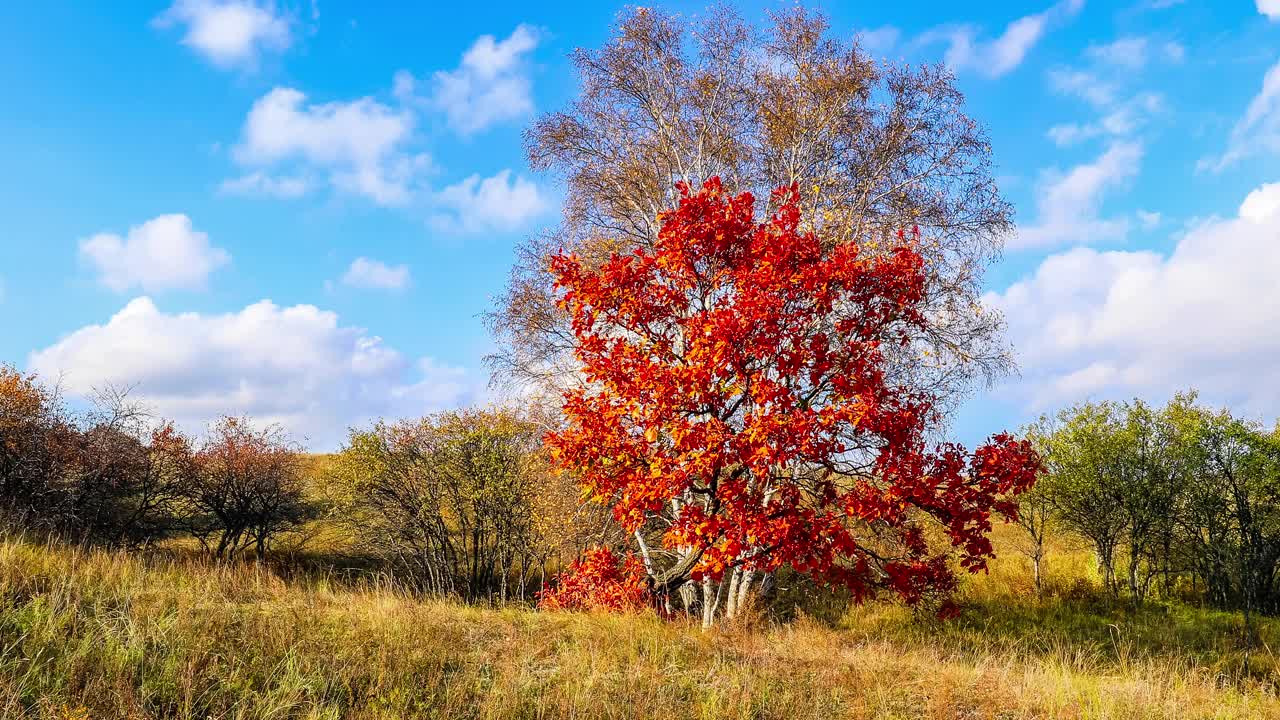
[[300, 210]]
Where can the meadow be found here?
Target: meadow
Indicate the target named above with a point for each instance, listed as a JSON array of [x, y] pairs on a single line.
[[88, 633]]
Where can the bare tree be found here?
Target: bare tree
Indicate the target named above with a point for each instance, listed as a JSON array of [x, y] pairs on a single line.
[[874, 147]]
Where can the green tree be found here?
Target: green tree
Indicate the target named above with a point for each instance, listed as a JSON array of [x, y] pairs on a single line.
[[1083, 454]]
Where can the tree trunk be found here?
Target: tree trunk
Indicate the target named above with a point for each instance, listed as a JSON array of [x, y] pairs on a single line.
[[1035, 568], [744, 590], [731, 606]]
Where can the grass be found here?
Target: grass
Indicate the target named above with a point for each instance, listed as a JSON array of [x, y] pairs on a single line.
[[89, 634]]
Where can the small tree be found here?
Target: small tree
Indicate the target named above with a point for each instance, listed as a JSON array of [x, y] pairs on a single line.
[[1241, 471], [453, 501], [738, 411], [125, 476], [1085, 458], [247, 488], [35, 445], [1036, 518]]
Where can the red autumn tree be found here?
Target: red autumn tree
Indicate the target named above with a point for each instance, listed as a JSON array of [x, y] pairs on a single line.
[[738, 413]]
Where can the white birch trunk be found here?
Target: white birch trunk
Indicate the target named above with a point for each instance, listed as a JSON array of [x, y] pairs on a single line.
[[731, 603], [708, 604], [744, 590]]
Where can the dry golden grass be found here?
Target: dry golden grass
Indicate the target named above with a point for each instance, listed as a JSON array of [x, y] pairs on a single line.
[[90, 634]]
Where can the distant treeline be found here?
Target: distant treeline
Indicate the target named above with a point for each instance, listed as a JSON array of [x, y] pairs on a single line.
[[114, 477], [1178, 502], [458, 503], [1181, 501]]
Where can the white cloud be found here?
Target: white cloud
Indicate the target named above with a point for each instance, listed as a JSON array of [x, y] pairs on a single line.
[[1068, 204], [229, 33], [1173, 52], [1133, 52], [260, 183], [361, 144], [881, 40], [163, 253], [1084, 85], [1127, 52], [1072, 133], [489, 86], [374, 274], [1095, 324], [1120, 119], [1101, 86], [1001, 55], [1270, 8], [293, 365], [500, 202], [1258, 131]]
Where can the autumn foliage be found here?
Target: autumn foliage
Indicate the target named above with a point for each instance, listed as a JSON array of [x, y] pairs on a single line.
[[599, 580], [739, 402]]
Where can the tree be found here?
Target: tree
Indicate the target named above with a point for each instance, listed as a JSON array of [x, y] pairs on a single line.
[[876, 147], [1241, 474], [125, 477], [1085, 460], [739, 408], [1036, 518], [1188, 493], [1148, 494], [247, 489], [454, 501], [35, 444]]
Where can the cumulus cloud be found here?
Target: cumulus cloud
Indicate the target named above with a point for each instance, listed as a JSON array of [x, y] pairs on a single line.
[[289, 145], [1112, 324], [163, 253], [489, 86], [376, 275], [1258, 131], [362, 146], [1270, 8], [1000, 55], [1068, 203], [229, 33], [297, 366], [500, 202]]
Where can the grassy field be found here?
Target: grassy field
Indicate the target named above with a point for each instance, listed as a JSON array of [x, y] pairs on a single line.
[[88, 634]]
